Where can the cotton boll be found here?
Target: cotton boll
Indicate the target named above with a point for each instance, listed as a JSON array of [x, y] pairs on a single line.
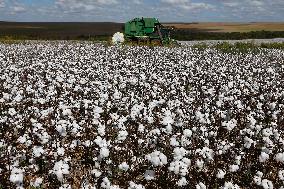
[[118, 38], [60, 151], [233, 168], [230, 125], [17, 176], [257, 178], [123, 166], [141, 128], [281, 175], [174, 142], [65, 186], [122, 135], [67, 112], [37, 182], [132, 185], [248, 142], [179, 153], [157, 158], [38, 151], [199, 163], [200, 186], [229, 185], [187, 133], [266, 184], [96, 173], [263, 157], [220, 174], [149, 175], [104, 152], [12, 111], [182, 182], [61, 129], [106, 183], [280, 157], [168, 118], [60, 168]]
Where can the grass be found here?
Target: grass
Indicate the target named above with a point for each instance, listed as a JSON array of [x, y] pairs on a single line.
[[230, 26], [240, 47]]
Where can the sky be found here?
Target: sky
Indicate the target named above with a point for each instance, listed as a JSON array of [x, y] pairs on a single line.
[[123, 10]]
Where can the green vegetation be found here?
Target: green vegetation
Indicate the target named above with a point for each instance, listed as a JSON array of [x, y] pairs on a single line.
[[189, 35], [239, 47]]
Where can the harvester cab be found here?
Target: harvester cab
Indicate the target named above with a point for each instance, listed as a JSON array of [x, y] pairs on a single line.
[[147, 29]]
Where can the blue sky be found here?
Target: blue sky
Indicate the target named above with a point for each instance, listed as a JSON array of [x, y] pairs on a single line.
[[123, 10]]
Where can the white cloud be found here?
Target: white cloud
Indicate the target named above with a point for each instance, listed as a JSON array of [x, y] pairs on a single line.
[[187, 5], [18, 9], [2, 4], [84, 5]]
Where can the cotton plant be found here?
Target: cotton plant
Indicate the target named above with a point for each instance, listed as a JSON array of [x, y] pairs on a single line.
[[123, 117]]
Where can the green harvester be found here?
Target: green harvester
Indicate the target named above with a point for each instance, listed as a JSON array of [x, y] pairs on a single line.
[[147, 29]]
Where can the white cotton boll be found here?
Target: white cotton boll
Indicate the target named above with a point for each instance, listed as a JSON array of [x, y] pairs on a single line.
[[281, 174], [18, 98], [229, 125], [106, 183], [65, 186], [157, 158], [179, 153], [168, 118], [96, 172], [60, 168], [22, 139], [272, 105], [187, 133], [66, 112], [233, 168], [267, 132], [206, 153], [118, 38], [12, 111], [248, 142], [123, 166], [17, 176], [200, 186], [257, 180], [229, 185], [174, 142], [263, 157], [149, 175], [37, 182], [199, 163], [220, 174], [141, 128], [132, 185], [60, 151], [114, 187], [101, 142], [101, 130], [280, 157], [117, 95], [104, 152], [61, 129], [122, 135], [169, 129], [182, 182], [266, 184], [38, 151]]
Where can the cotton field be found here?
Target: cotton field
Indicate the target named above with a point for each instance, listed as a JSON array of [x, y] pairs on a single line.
[[84, 115]]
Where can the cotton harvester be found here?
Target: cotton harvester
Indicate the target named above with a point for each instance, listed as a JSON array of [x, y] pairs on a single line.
[[148, 30]]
